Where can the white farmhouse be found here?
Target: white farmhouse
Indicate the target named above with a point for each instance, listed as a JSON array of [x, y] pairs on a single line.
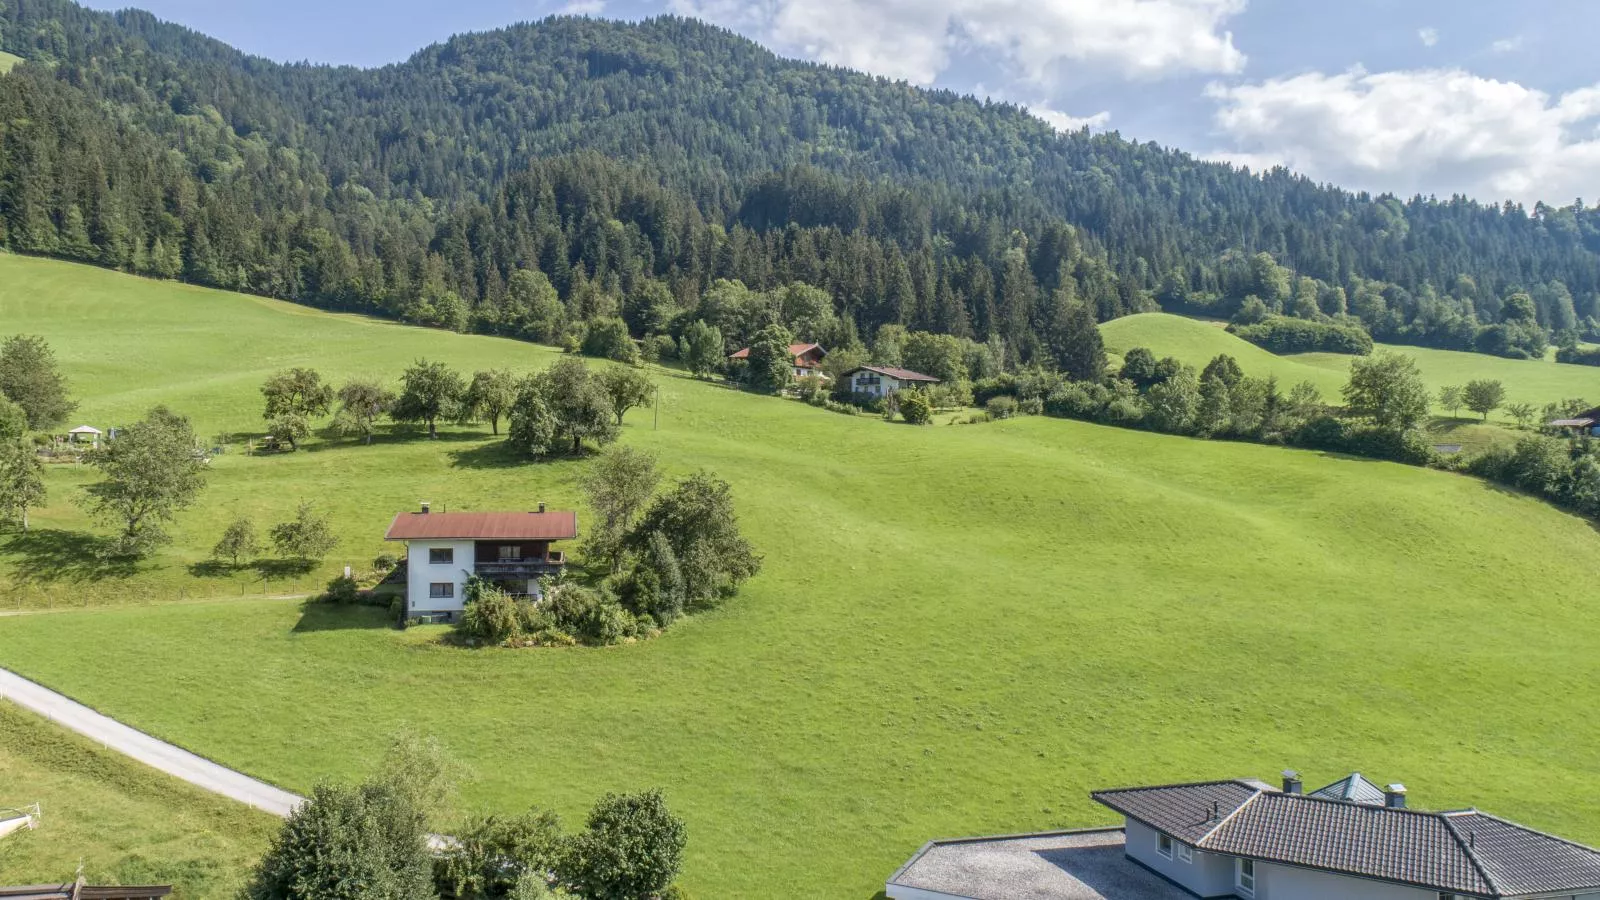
[[509, 549], [881, 381]]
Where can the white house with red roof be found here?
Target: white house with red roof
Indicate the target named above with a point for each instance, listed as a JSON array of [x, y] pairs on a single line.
[[446, 549], [881, 381], [806, 358]]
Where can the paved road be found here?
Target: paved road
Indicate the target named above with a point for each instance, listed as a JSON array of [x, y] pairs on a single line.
[[174, 761]]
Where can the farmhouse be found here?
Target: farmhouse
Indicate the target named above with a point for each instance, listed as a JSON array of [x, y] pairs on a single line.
[[881, 381], [806, 358], [508, 549], [1586, 422], [1251, 840]]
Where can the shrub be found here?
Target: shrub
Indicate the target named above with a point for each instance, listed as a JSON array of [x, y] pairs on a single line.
[[1001, 407], [397, 611], [491, 615], [915, 408], [662, 346], [1579, 356], [1284, 334], [811, 387], [1032, 406], [631, 849], [385, 562], [1335, 436], [986, 389], [593, 617], [342, 589]]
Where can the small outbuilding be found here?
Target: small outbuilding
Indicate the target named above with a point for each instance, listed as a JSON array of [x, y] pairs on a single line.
[[1586, 422]]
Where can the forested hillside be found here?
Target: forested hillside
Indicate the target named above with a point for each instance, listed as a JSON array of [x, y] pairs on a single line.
[[542, 177]]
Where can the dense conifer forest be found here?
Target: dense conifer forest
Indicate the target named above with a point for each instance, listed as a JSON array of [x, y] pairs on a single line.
[[536, 179]]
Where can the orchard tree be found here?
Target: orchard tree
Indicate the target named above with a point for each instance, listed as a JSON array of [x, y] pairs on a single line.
[[307, 537], [21, 483], [490, 395], [561, 406], [289, 428], [238, 541], [361, 402], [30, 378], [13, 421], [1452, 398], [1484, 396], [150, 473], [618, 486], [296, 392], [429, 392], [1522, 413], [625, 388], [1388, 389]]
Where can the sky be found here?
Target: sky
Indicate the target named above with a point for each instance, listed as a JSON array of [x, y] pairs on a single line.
[[1494, 100]]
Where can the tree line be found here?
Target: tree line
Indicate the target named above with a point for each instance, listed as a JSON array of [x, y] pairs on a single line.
[[547, 180]]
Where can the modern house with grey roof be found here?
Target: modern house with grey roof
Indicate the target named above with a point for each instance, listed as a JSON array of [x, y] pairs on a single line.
[[1248, 839]]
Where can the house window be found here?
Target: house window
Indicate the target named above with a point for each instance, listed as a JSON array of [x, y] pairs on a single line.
[[442, 590], [1247, 876], [1164, 845], [441, 556], [1185, 853], [510, 552]]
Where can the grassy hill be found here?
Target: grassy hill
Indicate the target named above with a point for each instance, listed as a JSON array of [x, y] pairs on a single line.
[[1196, 342], [958, 630], [123, 822], [7, 61]]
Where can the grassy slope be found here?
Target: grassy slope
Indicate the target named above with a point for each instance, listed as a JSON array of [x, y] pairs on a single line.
[[959, 629], [125, 823], [1196, 342], [8, 61]]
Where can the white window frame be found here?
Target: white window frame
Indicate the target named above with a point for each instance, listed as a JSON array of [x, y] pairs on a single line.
[[1164, 845], [1185, 853], [448, 591], [1246, 883], [449, 560]]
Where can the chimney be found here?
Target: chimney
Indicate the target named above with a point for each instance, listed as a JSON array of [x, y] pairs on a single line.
[[541, 507], [1394, 796], [1291, 781], [425, 506]]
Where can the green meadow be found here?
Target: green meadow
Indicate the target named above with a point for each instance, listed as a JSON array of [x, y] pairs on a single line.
[[8, 61], [1196, 342], [123, 822], [957, 630]]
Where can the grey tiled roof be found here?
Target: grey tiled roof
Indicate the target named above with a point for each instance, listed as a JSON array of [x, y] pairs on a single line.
[[1459, 852], [1352, 787]]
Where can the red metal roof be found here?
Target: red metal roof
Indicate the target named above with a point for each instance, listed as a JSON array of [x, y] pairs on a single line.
[[558, 525]]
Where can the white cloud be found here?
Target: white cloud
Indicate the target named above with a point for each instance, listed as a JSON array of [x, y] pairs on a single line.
[[1437, 131], [1065, 122], [1506, 45], [584, 8], [916, 39], [1428, 36]]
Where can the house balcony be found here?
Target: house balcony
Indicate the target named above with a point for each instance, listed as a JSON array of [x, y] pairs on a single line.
[[530, 566]]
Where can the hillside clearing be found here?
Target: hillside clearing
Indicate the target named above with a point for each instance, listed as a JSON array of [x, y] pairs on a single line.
[[8, 61], [1196, 342]]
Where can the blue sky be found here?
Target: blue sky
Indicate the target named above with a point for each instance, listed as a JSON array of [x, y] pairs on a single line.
[[1494, 100]]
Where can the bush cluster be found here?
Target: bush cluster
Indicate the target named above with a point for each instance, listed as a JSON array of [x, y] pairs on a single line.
[[1285, 334], [1565, 472]]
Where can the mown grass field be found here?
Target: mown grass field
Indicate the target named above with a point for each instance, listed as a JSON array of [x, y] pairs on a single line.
[[125, 823], [958, 630], [1196, 342]]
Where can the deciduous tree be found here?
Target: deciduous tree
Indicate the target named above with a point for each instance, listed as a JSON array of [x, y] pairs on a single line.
[[1484, 396], [296, 392], [490, 395], [21, 483], [625, 388], [1451, 398], [150, 473], [631, 849], [770, 368], [429, 391], [238, 541], [1388, 389], [618, 485], [30, 378], [702, 349], [307, 537], [698, 519], [361, 402]]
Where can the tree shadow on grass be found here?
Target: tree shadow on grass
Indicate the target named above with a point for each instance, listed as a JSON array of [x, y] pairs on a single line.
[[51, 555], [215, 568], [493, 455], [317, 616], [282, 568]]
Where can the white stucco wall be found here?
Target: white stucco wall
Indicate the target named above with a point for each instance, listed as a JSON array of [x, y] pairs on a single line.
[[1207, 875], [886, 385], [1289, 883], [420, 574]]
